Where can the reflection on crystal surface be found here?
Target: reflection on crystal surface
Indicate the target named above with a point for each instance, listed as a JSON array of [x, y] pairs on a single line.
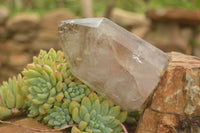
[[112, 60]]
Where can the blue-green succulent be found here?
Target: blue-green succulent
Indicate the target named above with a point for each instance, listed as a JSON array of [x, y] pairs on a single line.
[[94, 116], [56, 97], [58, 116], [12, 97]]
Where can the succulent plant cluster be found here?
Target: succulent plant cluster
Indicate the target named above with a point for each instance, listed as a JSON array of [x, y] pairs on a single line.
[[95, 116], [51, 87], [12, 97], [54, 96], [58, 116], [132, 117]]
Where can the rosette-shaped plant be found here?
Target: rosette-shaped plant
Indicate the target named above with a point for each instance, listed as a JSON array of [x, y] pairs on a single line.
[[49, 81], [58, 98], [12, 97], [45, 86], [94, 116], [49, 58], [54, 95], [59, 116], [76, 90]]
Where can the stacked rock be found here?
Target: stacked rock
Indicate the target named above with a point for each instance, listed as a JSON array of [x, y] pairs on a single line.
[[23, 26], [4, 13]]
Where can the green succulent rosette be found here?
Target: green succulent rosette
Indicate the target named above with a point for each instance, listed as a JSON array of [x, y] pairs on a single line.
[[52, 94], [59, 116], [76, 90], [58, 98], [45, 87], [49, 58], [44, 80], [12, 97], [94, 116], [49, 81]]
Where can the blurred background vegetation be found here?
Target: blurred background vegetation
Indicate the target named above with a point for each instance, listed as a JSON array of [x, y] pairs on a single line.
[[99, 6], [26, 26]]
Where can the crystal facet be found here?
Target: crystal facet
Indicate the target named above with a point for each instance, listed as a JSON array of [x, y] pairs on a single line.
[[111, 60]]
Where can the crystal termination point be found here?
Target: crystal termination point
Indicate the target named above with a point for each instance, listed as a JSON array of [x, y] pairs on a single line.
[[111, 60]]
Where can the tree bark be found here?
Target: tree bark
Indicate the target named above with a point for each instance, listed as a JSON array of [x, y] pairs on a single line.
[[174, 106], [87, 8]]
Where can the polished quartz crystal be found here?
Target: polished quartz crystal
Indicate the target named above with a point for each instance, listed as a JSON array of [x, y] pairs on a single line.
[[111, 60]]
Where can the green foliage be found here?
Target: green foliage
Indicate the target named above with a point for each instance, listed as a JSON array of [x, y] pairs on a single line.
[[49, 81], [94, 116], [132, 5], [183, 4], [131, 117], [99, 6], [44, 81], [58, 116], [76, 91], [12, 95], [3, 38], [54, 96], [58, 98], [5, 112]]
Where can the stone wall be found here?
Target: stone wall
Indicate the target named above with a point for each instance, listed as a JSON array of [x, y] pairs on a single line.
[[167, 29], [173, 30], [24, 35]]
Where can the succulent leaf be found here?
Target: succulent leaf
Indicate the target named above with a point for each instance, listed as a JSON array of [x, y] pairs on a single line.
[[19, 101], [75, 130], [12, 95], [104, 107], [83, 111], [108, 130], [75, 115], [86, 117], [122, 116], [5, 112], [114, 111], [86, 102], [132, 116], [58, 116], [73, 105], [54, 95], [82, 125], [45, 79], [91, 118], [10, 99]]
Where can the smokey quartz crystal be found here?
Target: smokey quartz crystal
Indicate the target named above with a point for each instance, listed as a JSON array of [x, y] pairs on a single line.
[[111, 60]]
